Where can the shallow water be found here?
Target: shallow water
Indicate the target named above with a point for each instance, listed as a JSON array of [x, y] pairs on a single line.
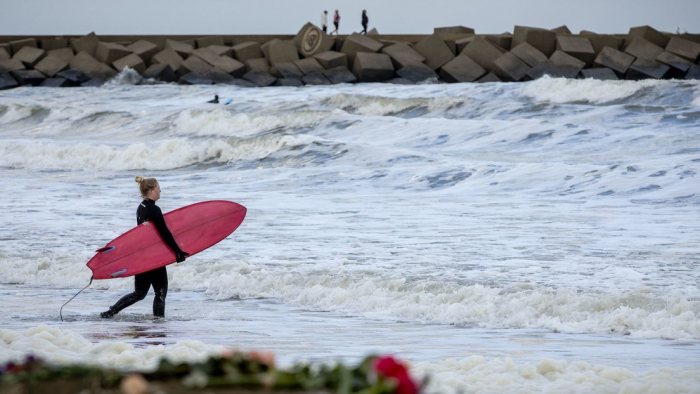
[[500, 237]]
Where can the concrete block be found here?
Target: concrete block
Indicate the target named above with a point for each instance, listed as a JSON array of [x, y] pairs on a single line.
[[108, 52], [183, 49], [482, 52], [311, 40], [260, 64], [204, 42], [339, 42], [677, 63], [560, 58], [309, 66], [265, 47], [490, 77], [543, 40], [160, 72], [4, 55], [599, 42], [646, 69], [329, 60], [51, 65], [356, 43], [316, 78], [7, 81], [144, 49], [28, 77], [434, 50], [92, 83], [340, 74], [373, 32], [553, 70], [563, 29], [641, 48], [194, 79], [650, 34], [74, 76], [286, 70], [614, 60], [503, 41], [603, 74], [400, 81], [168, 56], [247, 50], [510, 68], [132, 61], [103, 72], [293, 82], [84, 63], [686, 49], [693, 72], [453, 30], [461, 69], [11, 65], [195, 65], [49, 44], [221, 50], [578, 47], [218, 76], [29, 56], [87, 44], [260, 78], [282, 52], [462, 43], [55, 83], [529, 54], [65, 54], [17, 45], [417, 72], [372, 67], [225, 63], [402, 55]]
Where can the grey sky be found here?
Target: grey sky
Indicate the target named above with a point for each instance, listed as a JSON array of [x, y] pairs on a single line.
[[114, 17]]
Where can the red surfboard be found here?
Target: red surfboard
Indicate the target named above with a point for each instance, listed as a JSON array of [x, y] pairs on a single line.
[[195, 227]]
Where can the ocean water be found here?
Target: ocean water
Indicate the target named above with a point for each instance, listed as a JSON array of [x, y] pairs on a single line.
[[501, 238]]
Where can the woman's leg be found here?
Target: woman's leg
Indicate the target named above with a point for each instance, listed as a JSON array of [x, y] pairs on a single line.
[[159, 278], [142, 283]]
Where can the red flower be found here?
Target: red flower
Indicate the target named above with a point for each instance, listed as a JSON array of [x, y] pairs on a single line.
[[388, 367]]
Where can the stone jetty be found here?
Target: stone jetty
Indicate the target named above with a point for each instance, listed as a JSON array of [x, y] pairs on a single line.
[[311, 57]]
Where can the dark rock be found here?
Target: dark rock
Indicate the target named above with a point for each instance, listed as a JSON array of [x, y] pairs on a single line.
[[29, 56], [686, 49], [435, 51], [401, 81], [646, 69], [260, 78], [194, 79], [316, 79], [289, 82], [332, 59], [246, 51], [509, 67], [340, 74], [309, 66], [578, 47], [603, 74], [56, 83], [693, 72], [372, 67], [51, 65], [144, 49], [28, 77], [529, 54], [160, 72], [402, 55], [453, 30], [461, 69], [218, 76], [417, 72], [132, 61], [93, 83], [87, 44], [543, 40], [74, 76], [615, 60], [7, 81], [641, 48]]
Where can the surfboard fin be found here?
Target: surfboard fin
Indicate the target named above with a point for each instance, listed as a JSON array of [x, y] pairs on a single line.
[[60, 312]]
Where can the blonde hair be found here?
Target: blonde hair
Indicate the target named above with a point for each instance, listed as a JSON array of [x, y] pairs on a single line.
[[146, 185]]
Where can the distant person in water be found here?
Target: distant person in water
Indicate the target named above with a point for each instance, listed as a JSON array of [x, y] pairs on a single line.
[[336, 22], [149, 213], [365, 21], [215, 100]]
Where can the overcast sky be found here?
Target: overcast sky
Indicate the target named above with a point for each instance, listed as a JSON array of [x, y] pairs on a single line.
[[115, 17]]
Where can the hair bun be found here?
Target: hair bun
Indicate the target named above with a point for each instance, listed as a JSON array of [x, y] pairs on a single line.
[[138, 179]]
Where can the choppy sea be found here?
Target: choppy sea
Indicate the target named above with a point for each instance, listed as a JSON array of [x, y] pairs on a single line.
[[531, 237]]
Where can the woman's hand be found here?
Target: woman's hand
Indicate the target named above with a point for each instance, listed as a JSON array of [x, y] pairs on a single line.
[[180, 256]]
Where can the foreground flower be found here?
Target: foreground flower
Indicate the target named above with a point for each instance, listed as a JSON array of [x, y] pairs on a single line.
[[390, 368]]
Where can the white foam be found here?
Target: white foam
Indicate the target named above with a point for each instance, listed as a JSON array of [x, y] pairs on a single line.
[[564, 90], [380, 106], [127, 76]]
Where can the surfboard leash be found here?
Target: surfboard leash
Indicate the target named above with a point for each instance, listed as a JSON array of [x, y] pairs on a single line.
[[60, 312]]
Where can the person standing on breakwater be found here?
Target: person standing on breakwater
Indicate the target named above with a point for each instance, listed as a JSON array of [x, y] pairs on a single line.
[[149, 212], [324, 21], [365, 21], [336, 22]]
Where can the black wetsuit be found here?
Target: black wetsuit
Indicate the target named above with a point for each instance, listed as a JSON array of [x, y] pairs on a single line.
[[148, 211]]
